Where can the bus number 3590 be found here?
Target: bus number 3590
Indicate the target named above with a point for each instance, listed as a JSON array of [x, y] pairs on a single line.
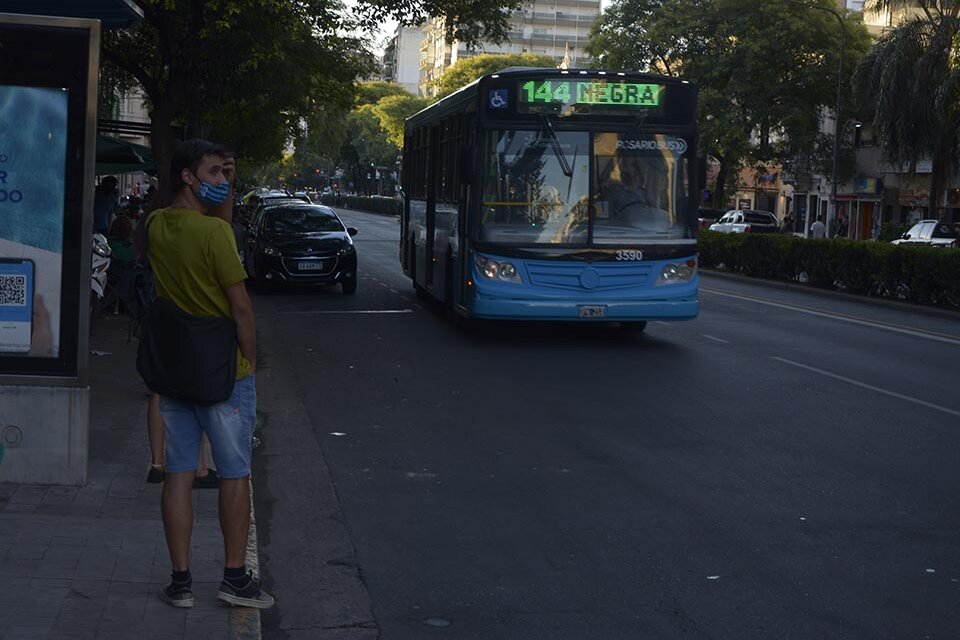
[[629, 255]]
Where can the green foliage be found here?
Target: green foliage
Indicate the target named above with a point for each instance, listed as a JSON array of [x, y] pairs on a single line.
[[911, 79], [373, 91], [393, 110], [921, 275], [892, 230], [368, 138], [765, 70], [466, 70]]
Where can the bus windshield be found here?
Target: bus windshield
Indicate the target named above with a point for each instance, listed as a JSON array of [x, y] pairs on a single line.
[[640, 188], [529, 195]]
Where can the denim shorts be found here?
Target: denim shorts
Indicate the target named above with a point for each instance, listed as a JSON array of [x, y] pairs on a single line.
[[228, 425]]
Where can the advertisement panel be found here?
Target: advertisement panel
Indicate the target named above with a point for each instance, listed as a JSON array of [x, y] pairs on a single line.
[[48, 80], [32, 180]]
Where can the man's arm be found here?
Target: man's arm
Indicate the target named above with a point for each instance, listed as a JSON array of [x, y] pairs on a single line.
[[242, 312]]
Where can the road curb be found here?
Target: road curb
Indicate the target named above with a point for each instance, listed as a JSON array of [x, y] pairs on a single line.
[[245, 621], [836, 295]]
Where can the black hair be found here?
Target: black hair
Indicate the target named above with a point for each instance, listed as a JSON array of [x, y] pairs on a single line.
[[188, 155]]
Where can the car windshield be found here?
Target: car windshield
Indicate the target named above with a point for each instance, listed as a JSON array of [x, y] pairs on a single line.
[[282, 220]]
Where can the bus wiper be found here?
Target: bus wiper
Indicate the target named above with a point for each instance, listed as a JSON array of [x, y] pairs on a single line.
[[557, 149], [638, 123]]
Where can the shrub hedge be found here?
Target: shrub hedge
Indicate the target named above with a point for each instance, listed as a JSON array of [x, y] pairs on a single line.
[[921, 275], [387, 206]]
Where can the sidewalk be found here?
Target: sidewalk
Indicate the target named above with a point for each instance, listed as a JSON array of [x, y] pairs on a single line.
[[87, 562]]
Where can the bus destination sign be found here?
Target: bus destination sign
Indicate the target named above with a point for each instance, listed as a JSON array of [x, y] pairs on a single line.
[[560, 93]]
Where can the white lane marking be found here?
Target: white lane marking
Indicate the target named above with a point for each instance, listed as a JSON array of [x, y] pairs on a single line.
[[864, 385], [919, 333], [394, 291], [348, 311], [714, 338], [666, 324]]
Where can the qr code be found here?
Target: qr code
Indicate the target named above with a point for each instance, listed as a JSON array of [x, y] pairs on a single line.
[[13, 290]]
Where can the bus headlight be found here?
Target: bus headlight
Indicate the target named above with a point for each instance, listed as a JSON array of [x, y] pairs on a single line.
[[678, 273], [500, 270]]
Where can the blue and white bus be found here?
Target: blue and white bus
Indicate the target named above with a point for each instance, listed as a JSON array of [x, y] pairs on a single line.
[[549, 194]]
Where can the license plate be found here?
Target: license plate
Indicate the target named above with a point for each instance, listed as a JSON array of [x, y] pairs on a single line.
[[593, 311], [310, 266]]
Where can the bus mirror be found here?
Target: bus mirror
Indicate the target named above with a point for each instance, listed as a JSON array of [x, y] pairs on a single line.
[[466, 166]]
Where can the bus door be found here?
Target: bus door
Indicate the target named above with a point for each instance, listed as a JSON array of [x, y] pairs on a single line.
[[431, 214], [465, 174]]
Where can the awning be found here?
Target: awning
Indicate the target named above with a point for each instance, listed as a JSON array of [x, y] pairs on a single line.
[[119, 156], [113, 14]]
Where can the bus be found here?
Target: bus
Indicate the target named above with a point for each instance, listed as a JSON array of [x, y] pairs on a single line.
[[554, 194]]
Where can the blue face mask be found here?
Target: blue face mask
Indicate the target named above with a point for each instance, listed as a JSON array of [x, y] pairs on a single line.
[[213, 194]]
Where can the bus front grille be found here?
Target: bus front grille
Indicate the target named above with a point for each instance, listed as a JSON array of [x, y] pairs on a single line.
[[599, 276]]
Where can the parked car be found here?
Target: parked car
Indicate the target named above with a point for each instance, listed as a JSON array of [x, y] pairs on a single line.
[[707, 217], [932, 233], [298, 243], [747, 221]]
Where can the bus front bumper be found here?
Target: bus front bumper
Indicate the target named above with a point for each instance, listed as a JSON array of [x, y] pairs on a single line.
[[598, 310]]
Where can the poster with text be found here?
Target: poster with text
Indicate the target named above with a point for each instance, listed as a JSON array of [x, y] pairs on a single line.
[[33, 143]]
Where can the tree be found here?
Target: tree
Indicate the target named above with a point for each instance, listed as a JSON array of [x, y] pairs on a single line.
[[765, 70], [912, 77], [466, 70], [219, 65], [373, 91], [393, 110], [254, 70]]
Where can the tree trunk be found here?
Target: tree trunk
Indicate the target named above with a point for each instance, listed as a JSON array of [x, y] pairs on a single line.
[[719, 191], [163, 144]]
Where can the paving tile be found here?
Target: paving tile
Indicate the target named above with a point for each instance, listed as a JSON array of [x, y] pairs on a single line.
[[28, 494]]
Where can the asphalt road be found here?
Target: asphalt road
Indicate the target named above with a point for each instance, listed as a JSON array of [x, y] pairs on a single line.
[[785, 466]]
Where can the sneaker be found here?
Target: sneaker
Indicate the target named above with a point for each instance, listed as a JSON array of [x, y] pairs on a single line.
[[209, 481], [177, 595], [155, 475], [248, 595]]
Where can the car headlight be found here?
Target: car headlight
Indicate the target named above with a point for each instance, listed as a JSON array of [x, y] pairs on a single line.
[[676, 273], [347, 250], [270, 250], [500, 270]]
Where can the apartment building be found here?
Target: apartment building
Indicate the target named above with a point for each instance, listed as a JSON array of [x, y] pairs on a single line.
[[555, 28], [401, 58]]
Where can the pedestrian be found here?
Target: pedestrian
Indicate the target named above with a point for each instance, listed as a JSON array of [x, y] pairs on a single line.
[[818, 229], [104, 205], [196, 267]]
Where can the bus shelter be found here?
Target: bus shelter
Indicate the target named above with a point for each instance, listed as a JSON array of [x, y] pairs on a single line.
[[48, 103]]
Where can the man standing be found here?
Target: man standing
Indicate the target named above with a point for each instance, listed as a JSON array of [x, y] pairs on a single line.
[[196, 266], [818, 229], [104, 204]]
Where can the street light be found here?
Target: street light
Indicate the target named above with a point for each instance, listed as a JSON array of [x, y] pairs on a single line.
[[837, 129]]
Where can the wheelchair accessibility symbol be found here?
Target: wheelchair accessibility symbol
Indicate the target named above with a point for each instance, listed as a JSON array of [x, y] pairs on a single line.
[[498, 99]]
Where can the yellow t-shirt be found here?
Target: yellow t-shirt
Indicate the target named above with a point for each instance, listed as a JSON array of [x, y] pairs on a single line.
[[194, 260]]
